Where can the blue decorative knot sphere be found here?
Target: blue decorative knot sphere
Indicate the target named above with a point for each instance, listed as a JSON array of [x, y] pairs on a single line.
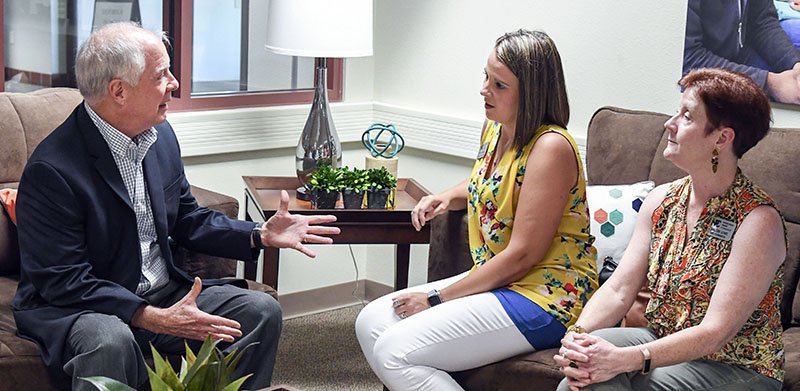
[[386, 147]]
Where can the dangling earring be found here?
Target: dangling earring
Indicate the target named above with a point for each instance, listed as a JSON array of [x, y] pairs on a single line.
[[714, 160]]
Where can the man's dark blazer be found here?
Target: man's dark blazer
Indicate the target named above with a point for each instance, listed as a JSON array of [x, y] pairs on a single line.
[[79, 244]]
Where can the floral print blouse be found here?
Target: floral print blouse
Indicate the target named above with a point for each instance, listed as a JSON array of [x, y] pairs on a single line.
[[683, 272], [566, 277]]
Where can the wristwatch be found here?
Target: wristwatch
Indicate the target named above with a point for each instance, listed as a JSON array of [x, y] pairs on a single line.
[[255, 234], [646, 359], [435, 298]]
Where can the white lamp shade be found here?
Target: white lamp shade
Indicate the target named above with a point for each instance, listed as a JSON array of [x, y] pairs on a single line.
[[320, 28]]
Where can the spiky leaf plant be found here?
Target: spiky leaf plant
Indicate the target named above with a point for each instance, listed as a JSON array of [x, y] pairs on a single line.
[[208, 370]]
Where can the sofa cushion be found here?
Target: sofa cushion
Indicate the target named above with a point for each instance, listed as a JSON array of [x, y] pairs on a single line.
[[613, 133], [612, 211], [39, 122], [27, 119], [13, 152], [791, 339], [20, 364], [772, 165], [537, 368]]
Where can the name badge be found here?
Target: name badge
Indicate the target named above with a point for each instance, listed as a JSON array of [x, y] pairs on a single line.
[[722, 229], [482, 151]]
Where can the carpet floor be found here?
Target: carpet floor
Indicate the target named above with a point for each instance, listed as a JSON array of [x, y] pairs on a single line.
[[320, 352]]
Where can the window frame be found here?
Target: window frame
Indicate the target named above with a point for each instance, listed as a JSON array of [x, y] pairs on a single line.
[[180, 16], [177, 22]]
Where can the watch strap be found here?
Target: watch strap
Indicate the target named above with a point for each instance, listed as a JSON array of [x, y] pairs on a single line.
[[645, 360], [255, 235]]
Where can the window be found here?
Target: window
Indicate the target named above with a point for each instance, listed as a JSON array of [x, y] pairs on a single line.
[[217, 54]]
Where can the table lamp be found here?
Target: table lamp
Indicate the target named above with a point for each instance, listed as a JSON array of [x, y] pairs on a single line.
[[322, 29]]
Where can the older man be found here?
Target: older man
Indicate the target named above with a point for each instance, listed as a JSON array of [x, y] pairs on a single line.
[[98, 203]]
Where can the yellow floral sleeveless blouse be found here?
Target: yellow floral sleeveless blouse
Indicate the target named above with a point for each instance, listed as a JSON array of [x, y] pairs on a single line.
[[683, 272], [563, 281]]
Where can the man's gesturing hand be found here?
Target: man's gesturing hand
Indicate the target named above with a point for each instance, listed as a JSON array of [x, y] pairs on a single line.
[[285, 230], [183, 319]]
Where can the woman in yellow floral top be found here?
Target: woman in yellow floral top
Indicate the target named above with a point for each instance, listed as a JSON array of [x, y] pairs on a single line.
[[710, 248], [529, 237]]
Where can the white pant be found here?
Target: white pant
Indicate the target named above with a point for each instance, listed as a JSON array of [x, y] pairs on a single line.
[[417, 352]]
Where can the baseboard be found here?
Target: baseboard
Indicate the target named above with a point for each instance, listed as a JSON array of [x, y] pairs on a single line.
[[331, 297]]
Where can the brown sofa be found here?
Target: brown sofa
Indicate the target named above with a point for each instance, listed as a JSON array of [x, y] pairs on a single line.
[[625, 146], [25, 119]]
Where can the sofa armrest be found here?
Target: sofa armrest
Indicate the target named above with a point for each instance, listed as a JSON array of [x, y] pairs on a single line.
[[202, 265], [448, 254]]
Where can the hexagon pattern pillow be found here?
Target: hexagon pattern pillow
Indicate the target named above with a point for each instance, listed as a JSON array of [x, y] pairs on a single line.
[[613, 210]]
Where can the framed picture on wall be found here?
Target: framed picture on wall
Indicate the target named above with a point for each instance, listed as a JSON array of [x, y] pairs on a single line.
[[111, 11], [759, 38]]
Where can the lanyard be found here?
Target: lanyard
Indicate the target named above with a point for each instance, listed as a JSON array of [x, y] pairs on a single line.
[[742, 5]]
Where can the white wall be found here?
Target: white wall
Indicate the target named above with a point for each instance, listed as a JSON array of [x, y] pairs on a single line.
[[429, 55], [425, 77]]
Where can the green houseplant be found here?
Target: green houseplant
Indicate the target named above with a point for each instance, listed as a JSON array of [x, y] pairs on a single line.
[[354, 186], [380, 184], [209, 370], [325, 184]]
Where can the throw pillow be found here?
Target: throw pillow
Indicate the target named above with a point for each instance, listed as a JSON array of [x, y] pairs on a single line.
[[9, 199], [613, 210]]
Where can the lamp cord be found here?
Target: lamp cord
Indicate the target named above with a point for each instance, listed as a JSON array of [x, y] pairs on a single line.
[[355, 289]]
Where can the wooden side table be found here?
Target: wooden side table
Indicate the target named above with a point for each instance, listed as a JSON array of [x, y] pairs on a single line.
[[358, 226]]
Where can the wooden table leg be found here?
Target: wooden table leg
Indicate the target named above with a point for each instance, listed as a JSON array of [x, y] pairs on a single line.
[[402, 253], [269, 274]]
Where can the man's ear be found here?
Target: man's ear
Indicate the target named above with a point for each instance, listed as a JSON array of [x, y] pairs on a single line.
[[117, 91], [725, 137]]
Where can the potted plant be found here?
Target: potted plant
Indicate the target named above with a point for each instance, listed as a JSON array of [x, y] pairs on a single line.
[[354, 185], [209, 370], [325, 184], [380, 185]]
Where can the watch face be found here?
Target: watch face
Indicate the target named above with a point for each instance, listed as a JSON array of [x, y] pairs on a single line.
[[433, 298]]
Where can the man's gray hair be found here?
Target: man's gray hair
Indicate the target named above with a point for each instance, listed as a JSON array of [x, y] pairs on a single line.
[[115, 51]]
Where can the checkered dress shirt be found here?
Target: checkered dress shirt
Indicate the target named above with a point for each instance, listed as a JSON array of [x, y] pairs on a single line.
[[128, 154]]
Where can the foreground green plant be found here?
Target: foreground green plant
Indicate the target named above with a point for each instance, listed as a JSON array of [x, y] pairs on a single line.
[[354, 179], [209, 370], [380, 178], [326, 178]]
